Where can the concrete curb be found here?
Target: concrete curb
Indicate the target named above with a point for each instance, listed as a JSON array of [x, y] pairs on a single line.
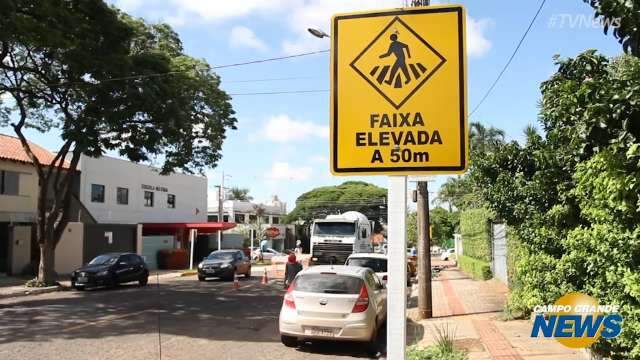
[[189, 273], [32, 291]]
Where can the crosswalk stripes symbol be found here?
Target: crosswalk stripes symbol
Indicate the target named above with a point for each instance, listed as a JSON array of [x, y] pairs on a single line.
[[397, 62]]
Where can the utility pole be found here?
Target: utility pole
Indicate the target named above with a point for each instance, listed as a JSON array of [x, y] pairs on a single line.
[[425, 305], [220, 210], [425, 308]]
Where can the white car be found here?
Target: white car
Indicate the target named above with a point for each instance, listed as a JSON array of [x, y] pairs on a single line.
[[375, 262], [333, 302], [266, 255], [448, 254]]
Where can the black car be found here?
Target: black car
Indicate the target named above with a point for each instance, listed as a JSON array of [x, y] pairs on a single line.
[[224, 264], [110, 270]]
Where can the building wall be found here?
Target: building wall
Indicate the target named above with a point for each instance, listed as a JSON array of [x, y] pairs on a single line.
[[22, 207], [190, 192], [70, 248], [107, 238]]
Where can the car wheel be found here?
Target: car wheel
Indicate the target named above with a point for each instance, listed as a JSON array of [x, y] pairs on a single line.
[[446, 259], [201, 278], [144, 281], [248, 274], [289, 341], [231, 276]]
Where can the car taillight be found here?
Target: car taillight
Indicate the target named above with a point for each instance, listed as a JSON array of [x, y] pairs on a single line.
[[288, 298], [363, 301]]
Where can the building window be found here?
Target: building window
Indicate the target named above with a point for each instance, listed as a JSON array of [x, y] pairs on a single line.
[[122, 196], [253, 219], [171, 201], [275, 220], [9, 183], [239, 218], [212, 218], [148, 198], [264, 219], [97, 193], [225, 218]]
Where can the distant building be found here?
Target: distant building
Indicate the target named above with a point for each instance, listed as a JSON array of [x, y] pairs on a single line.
[[245, 212]]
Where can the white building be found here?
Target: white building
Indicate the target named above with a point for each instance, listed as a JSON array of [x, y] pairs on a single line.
[[118, 191], [245, 212]]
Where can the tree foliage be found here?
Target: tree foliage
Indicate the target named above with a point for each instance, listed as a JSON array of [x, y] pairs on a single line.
[[105, 82], [623, 18], [572, 194], [241, 194], [349, 196]]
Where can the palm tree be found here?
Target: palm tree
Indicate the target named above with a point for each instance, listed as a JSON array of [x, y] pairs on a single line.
[[482, 138], [241, 194], [531, 134]]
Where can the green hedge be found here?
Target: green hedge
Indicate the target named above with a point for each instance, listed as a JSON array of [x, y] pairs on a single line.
[[478, 269], [476, 233]]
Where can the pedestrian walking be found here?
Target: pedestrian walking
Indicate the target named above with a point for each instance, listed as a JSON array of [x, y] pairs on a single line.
[[291, 270]]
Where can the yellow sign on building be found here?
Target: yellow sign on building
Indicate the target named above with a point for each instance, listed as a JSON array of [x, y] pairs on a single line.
[[398, 92]]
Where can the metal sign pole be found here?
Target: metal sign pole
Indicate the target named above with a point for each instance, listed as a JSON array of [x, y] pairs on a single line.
[[397, 253]]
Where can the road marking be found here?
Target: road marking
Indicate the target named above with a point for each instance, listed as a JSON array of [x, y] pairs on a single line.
[[104, 319]]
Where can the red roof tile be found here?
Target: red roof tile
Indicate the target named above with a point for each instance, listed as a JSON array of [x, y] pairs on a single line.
[[11, 149]]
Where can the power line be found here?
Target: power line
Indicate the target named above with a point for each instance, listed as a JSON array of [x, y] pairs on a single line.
[[272, 79], [270, 59], [510, 59], [281, 92]]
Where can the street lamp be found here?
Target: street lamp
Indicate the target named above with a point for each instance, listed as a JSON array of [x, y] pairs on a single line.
[[318, 33]]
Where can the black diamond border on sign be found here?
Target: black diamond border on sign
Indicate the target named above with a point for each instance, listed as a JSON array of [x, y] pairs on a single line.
[[398, 106]]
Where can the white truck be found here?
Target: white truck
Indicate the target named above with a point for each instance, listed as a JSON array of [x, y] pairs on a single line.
[[336, 237]]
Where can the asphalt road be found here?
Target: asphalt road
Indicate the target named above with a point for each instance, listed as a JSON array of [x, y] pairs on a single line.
[[197, 320]]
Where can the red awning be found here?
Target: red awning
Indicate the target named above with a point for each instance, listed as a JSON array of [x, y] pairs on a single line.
[[202, 228]]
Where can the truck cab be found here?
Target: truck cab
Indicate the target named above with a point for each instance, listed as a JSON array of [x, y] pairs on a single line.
[[336, 237]]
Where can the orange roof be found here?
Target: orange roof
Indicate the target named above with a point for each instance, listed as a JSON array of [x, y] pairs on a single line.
[[11, 149]]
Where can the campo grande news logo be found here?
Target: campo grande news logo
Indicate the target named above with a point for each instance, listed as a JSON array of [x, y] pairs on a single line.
[[577, 320]]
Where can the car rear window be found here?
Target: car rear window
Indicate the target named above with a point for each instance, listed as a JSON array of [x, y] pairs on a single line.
[[377, 265], [328, 284]]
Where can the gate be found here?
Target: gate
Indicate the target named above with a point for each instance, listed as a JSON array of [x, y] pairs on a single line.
[[151, 245], [499, 252]]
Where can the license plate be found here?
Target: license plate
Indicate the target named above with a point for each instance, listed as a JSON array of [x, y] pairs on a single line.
[[319, 331], [82, 279], [210, 271]]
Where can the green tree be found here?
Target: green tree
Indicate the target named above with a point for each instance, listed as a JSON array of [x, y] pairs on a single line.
[[241, 194], [572, 194], [483, 138], [623, 18], [349, 196], [90, 72], [411, 227]]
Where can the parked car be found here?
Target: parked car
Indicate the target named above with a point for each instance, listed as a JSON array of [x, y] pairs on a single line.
[[333, 302], [110, 270], [267, 255], [448, 254], [375, 262], [224, 264]]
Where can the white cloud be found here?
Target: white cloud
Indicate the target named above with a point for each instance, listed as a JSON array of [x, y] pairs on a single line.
[[244, 37], [282, 128], [284, 171], [319, 159], [477, 43]]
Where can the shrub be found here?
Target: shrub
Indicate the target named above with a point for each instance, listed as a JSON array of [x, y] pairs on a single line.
[[479, 270], [444, 349], [476, 234]]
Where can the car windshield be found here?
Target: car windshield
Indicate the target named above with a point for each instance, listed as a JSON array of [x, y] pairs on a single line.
[[328, 284], [335, 228], [104, 260], [377, 265], [220, 256]]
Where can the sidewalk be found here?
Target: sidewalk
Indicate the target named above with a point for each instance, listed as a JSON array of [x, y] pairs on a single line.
[[472, 309]]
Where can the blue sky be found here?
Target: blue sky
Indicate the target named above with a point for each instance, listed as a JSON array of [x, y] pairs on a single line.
[[281, 146]]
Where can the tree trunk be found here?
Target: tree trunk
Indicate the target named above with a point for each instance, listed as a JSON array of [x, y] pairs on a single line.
[[46, 269]]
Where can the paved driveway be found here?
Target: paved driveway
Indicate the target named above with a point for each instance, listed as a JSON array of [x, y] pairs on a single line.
[[196, 320]]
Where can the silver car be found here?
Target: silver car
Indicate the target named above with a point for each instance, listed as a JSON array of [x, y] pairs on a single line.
[[333, 302]]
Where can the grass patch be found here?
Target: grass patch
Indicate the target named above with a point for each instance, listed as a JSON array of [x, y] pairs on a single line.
[[444, 348], [478, 269]]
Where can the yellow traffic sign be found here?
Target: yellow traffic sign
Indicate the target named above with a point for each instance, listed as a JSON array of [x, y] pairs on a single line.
[[398, 92]]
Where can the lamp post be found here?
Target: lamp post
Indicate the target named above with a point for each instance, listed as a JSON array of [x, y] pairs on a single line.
[[318, 33]]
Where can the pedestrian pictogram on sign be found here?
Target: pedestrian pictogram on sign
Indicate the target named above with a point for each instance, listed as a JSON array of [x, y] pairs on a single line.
[[406, 64], [398, 92]]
